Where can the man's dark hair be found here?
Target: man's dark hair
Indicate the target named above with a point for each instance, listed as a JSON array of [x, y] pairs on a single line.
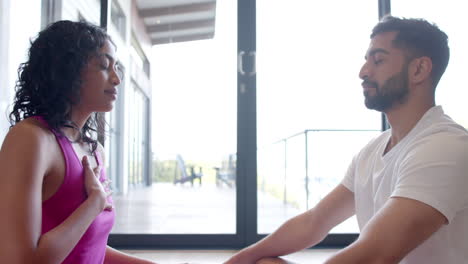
[[49, 81], [418, 38]]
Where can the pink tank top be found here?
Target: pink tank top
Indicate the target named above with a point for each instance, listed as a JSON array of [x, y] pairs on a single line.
[[91, 248]]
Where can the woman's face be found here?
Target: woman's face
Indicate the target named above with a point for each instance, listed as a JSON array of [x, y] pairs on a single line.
[[100, 79]]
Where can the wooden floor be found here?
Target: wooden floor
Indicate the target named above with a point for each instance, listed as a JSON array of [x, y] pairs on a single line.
[[309, 256]]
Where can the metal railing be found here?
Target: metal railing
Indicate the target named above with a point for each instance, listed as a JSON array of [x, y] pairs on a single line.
[[324, 152]]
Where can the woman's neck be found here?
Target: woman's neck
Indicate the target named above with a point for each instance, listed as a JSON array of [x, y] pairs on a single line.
[[73, 130]]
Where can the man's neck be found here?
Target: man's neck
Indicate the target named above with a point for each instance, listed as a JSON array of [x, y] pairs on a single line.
[[403, 118]]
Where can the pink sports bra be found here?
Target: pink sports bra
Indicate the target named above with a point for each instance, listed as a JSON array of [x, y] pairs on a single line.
[[91, 248]]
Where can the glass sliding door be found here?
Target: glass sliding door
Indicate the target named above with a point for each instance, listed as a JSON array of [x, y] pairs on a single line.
[[194, 132], [310, 107], [192, 186], [190, 197]]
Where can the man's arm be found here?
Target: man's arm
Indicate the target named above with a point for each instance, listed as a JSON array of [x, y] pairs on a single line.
[[399, 227], [302, 231]]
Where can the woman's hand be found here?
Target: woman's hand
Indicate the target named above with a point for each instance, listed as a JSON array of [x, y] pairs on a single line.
[[273, 261], [94, 188]]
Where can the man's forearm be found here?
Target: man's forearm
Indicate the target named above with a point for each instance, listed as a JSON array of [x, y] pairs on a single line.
[[360, 253], [296, 234]]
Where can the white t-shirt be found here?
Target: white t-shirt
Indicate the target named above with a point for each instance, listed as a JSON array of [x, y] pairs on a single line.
[[430, 165]]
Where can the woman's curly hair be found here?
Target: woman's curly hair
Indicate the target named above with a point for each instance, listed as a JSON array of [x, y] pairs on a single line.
[[49, 82]]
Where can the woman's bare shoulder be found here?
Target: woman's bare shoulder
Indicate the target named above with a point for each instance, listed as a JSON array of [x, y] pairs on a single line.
[[28, 149], [29, 131], [31, 127]]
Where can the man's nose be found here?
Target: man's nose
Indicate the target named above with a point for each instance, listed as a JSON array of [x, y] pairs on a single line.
[[364, 73]]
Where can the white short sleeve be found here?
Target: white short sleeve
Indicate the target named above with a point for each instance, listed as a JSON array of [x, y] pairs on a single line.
[[435, 172], [348, 180]]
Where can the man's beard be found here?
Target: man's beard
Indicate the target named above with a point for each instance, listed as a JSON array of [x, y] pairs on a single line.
[[394, 90]]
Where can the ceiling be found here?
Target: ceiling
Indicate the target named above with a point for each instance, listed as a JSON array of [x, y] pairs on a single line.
[[169, 21]]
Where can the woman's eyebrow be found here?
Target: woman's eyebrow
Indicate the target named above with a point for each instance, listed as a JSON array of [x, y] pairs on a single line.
[[107, 55]]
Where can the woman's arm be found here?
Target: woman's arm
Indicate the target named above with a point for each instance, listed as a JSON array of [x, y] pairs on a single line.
[[114, 256], [23, 164], [55, 245]]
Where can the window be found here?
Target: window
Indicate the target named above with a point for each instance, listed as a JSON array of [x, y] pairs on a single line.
[[137, 144], [311, 118], [138, 56], [451, 92], [118, 19]]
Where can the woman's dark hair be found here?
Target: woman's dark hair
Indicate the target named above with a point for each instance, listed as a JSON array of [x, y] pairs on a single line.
[[49, 81], [418, 38]]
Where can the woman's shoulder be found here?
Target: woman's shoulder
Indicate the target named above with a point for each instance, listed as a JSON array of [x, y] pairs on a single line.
[[30, 129], [28, 142]]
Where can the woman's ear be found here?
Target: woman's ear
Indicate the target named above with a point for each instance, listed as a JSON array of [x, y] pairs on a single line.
[[420, 69]]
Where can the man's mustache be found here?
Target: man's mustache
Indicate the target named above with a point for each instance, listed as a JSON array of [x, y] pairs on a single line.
[[367, 84]]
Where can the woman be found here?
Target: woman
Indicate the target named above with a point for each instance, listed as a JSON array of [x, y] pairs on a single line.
[[55, 207]]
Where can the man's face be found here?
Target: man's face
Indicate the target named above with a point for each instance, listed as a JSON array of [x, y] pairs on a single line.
[[393, 90], [384, 74]]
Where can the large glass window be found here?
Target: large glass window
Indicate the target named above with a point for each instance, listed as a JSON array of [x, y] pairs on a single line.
[[113, 145], [452, 90], [310, 106], [194, 131], [137, 143]]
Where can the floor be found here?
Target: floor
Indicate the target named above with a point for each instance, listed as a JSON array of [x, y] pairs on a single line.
[[165, 208], [309, 256]]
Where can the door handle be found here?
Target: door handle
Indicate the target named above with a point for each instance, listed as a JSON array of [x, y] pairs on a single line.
[[240, 63]]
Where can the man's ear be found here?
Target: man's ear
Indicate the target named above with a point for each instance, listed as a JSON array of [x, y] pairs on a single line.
[[420, 69]]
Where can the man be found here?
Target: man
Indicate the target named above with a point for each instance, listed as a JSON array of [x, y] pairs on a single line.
[[409, 186]]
